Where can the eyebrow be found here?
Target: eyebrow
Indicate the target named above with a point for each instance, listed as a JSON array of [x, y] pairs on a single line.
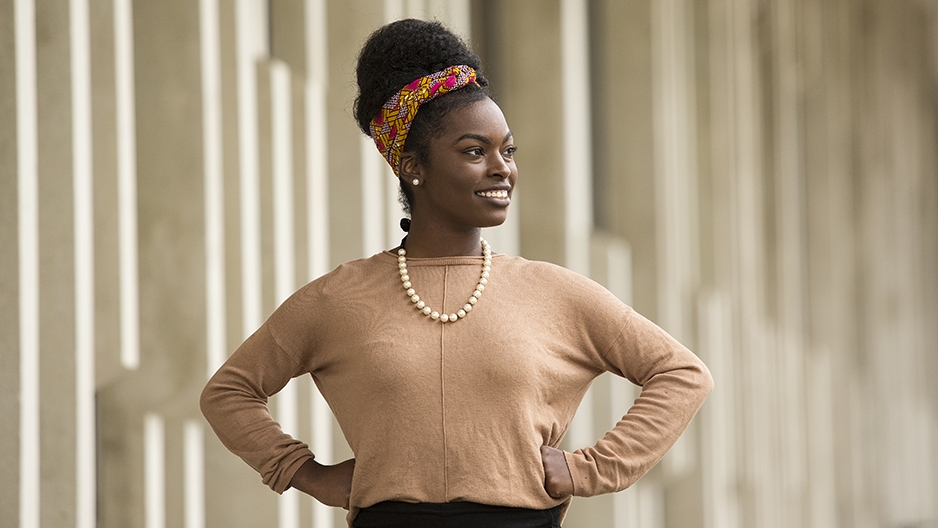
[[480, 137]]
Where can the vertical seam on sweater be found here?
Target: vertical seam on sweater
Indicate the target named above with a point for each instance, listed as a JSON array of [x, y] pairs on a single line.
[[443, 390]]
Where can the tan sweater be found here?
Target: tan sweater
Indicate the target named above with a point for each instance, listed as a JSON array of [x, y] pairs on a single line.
[[457, 412]]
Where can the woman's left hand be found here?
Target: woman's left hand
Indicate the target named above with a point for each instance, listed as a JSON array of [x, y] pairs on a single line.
[[557, 479]]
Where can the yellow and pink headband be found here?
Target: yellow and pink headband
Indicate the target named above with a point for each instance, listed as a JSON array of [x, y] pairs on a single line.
[[389, 128]]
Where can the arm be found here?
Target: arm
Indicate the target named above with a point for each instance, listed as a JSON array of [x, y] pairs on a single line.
[[674, 385], [235, 404]]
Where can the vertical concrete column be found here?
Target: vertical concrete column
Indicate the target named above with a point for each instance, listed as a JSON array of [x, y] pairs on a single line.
[[891, 225], [349, 25], [736, 212], [57, 427], [787, 294], [675, 218], [623, 137], [106, 196], [172, 274], [528, 37], [830, 273], [9, 267], [225, 13]]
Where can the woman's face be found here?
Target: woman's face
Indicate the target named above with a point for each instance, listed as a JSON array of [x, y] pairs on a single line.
[[470, 171]]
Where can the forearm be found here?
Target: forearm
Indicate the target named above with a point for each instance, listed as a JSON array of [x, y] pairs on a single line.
[[234, 402]]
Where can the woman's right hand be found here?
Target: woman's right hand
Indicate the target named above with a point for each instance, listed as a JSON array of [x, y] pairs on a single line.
[[330, 485]]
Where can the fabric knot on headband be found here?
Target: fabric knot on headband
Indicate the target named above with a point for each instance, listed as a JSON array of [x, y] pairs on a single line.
[[389, 128]]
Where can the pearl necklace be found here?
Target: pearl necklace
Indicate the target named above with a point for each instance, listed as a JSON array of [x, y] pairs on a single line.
[[433, 314]]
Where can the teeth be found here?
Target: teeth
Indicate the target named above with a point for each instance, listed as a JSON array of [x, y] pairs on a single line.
[[493, 194]]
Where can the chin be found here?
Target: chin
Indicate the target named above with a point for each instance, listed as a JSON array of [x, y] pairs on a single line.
[[494, 222]]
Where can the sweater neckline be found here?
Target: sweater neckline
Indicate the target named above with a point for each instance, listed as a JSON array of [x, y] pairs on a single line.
[[440, 261]]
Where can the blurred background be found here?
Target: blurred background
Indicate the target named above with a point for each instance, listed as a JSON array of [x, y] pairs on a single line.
[[758, 177]]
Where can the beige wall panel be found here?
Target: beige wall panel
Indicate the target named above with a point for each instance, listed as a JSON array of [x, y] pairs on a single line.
[[120, 461], [300, 205], [706, 232], [350, 22], [890, 224], [175, 489], [104, 156], [787, 235], [172, 265], [829, 167], [288, 34], [529, 45], [265, 188], [231, 170], [734, 212], [623, 150], [56, 271], [9, 275], [170, 197]]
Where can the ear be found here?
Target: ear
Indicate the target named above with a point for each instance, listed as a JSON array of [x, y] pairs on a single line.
[[409, 167]]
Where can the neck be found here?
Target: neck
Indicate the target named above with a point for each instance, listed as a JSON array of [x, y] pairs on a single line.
[[434, 243]]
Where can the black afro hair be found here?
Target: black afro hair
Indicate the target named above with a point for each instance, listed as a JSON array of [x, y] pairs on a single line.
[[400, 52]]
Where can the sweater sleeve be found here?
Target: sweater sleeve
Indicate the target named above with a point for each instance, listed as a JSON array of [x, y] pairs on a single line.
[[235, 404], [674, 383]]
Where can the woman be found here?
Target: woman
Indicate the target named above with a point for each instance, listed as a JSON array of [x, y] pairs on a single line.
[[453, 372]]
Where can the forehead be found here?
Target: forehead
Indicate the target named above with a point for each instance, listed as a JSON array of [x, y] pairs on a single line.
[[481, 117]]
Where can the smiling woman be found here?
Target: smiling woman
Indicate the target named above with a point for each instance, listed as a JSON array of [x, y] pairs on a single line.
[[451, 424]]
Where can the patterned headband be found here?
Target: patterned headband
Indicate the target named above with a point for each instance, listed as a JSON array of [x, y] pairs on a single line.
[[389, 128]]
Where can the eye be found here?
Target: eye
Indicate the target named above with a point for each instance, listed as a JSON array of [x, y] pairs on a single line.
[[509, 152], [474, 151]]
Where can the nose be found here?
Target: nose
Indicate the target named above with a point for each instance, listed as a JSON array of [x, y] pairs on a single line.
[[500, 167]]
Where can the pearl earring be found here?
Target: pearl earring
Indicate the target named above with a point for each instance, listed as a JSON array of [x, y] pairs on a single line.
[[416, 181]]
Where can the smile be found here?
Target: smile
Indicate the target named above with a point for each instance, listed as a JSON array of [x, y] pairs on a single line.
[[502, 194]]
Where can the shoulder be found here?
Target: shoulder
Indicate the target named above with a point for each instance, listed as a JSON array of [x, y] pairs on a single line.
[[347, 282], [568, 294], [540, 274], [351, 275]]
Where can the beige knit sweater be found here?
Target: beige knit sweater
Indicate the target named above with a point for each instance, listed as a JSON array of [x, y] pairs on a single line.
[[457, 412]]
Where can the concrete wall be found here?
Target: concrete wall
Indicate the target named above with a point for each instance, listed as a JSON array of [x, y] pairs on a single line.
[[760, 178]]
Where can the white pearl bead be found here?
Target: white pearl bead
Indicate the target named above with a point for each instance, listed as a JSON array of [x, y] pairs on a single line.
[[402, 258], [411, 292], [415, 298], [485, 274], [476, 294], [435, 315], [461, 314], [402, 265], [473, 300], [480, 287], [444, 318], [467, 308], [426, 310], [421, 304], [407, 284], [483, 280], [405, 278], [402, 252]]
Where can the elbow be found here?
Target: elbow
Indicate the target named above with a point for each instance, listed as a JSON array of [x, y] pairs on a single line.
[[208, 399], [704, 382]]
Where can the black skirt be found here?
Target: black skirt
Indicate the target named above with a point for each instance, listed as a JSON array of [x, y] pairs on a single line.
[[453, 515]]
